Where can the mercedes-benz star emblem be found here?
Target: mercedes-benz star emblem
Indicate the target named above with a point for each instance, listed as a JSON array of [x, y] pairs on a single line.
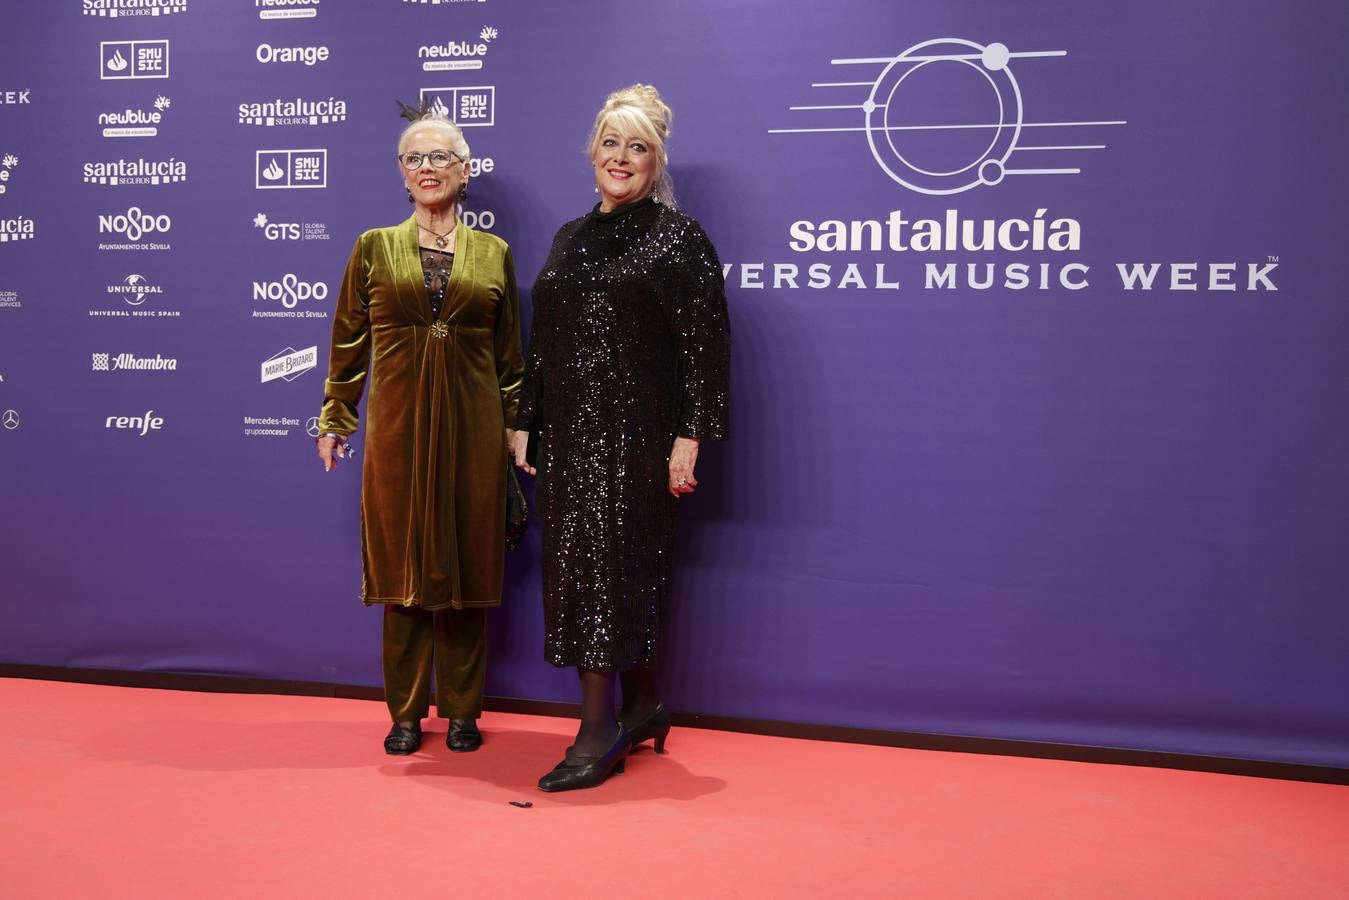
[[312, 426], [10, 419]]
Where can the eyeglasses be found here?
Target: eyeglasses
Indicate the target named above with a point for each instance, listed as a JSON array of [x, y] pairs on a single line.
[[439, 159]]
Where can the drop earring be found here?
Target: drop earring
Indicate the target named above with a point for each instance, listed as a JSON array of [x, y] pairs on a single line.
[[410, 197], [463, 193]]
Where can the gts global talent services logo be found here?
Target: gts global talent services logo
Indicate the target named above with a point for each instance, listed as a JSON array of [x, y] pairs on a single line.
[[123, 60], [283, 169], [290, 231], [120, 172], [456, 56], [135, 122], [114, 9], [287, 9], [271, 113]]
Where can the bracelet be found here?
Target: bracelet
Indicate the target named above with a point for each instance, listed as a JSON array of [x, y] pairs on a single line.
[[341, 439]]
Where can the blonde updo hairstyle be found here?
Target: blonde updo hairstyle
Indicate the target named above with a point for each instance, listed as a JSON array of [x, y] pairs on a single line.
[[639, 111]]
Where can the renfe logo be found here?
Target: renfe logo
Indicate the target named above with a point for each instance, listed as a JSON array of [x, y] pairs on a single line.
[[281, 169], [120, 60], [142, 424], [464, 106]]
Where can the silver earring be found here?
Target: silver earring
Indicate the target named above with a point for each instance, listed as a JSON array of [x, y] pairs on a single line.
[[463, 192], [411, 199]]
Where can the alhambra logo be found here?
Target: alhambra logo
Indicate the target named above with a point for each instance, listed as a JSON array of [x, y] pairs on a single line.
[[121, 172], [129, 362], [456, 56], [270, 113], [287, 9], [283, 169], [138, 122], [125, 60], [114, 9], [983, 138], [464, 106]]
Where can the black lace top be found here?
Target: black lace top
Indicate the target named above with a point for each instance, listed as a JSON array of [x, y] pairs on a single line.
[[436, 266]]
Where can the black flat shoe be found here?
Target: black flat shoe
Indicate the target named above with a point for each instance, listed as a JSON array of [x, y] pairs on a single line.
[[656, 725], [464, 736], [577, 771], [402, 741]]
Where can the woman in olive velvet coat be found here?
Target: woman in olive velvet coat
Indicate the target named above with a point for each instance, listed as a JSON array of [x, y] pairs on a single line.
[[428, 318]]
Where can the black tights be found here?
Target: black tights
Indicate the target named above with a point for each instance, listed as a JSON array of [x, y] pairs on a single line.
[[599, 725]]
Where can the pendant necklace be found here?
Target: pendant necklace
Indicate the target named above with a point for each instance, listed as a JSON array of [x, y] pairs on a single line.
[[442, 240]]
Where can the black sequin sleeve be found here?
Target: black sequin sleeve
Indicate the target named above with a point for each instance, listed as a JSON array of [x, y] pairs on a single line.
[[529, 414], [703, 334]]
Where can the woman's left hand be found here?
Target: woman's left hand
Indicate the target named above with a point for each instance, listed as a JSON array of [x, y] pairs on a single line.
[[683, 457]]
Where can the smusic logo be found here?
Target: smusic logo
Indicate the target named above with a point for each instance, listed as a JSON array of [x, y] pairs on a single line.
[[136, 171], [122, 8], [464, 106], [299, 111], [135, 122], [122, 60], [282, 169]]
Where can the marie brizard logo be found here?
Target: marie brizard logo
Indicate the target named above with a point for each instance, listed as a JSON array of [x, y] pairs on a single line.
[[289, 364], [983, 137]]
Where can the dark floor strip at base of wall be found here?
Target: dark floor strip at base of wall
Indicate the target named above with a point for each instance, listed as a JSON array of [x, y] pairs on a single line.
[[229, 684]]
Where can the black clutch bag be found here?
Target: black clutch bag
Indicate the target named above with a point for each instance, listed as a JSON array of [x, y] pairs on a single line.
[[517, 510]]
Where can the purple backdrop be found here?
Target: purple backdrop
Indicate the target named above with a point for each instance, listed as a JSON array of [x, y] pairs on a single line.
[[1084, 514]]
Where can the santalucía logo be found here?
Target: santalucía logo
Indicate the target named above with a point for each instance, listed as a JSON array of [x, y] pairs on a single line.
[[136, 171]]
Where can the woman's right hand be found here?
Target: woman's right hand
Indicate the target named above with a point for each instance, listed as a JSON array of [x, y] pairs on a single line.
[[519, 444], [330, 451]]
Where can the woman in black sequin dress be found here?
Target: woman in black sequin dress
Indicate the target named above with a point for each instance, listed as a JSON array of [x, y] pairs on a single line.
[[627, 372]]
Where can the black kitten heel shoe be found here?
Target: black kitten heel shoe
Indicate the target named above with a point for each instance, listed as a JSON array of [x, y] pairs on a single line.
[[656, 725], [464, 736], [577, 771], [403, 741]]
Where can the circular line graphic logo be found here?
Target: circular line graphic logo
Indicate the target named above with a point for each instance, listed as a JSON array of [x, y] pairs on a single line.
[[10, 419]]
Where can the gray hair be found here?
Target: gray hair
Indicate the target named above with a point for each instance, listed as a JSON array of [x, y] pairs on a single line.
[[437, 122]]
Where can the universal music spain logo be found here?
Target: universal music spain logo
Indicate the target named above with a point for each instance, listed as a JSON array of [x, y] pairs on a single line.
[[123, 8], [123, 60], [287, 169]]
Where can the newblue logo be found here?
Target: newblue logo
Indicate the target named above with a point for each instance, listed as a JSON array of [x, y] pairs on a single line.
[[299, 111], [464, 106], [135, 122], [286, 9], [8, 163], [456, 56], [287, 169], [122, 60], [119, 172], [122, 8]]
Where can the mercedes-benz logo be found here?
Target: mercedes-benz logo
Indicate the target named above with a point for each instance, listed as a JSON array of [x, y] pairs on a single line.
[[312, 426], [10, 419]]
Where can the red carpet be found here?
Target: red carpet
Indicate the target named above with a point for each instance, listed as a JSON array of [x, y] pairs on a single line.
[[118, 792]]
